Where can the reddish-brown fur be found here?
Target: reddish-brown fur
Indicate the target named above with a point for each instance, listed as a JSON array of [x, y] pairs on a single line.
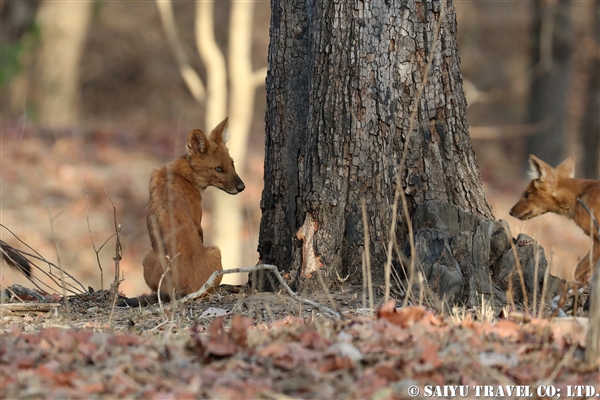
[[556, 191], [175, 215]]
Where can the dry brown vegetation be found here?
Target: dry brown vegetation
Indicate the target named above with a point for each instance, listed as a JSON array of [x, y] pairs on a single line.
[[265, 345]]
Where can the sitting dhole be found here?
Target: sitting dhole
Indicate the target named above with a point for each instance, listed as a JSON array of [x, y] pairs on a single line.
[[555, 190], [175, 215]]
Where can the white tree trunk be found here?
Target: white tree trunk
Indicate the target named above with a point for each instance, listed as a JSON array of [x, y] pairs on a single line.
[[244, 81], [189, 75], [212, 57], [63, 28]]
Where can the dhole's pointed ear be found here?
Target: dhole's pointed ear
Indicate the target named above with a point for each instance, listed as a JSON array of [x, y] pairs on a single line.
[[197, 142], [221, 133], [539, 169], [566, 169]]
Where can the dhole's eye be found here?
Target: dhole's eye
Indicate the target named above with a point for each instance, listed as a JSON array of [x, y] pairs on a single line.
[[219, 169], [525, 195]]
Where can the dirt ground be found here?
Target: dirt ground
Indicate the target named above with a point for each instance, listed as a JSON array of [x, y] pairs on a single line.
[[239, 344]]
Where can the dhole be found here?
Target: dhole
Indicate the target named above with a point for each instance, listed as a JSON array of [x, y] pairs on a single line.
[[555, 190], [175, 215]]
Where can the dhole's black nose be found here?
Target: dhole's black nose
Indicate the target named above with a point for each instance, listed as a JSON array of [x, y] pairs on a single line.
[[240, 187]]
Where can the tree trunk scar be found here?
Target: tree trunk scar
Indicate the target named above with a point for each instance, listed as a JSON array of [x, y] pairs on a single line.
[[310, 261]]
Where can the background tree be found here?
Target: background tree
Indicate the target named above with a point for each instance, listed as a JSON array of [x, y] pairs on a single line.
[[63, 27], [552, 48], [16, 20], [590, 127], [344, 80]]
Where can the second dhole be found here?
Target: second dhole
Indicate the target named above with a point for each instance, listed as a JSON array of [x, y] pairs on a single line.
[[556, 190]]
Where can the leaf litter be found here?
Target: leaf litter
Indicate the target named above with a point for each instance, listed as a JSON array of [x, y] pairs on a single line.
[[313, 357]]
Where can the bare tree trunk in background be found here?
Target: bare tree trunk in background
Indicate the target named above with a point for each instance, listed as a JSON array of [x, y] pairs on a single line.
[[243, 84], [243, 81], [212, 57], [590, 129], [63, 27], [16, 21], [551, 78], [342, 82], [16, 18]]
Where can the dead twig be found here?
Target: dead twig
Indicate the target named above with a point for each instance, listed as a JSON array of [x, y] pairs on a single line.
[[261, 267], [519, 272], [55, 279], [367, 256], [327, 291], [60, 269], [545, 286], [97, 251], [160, 281], [28, 308], [118, 248], [114, 290]]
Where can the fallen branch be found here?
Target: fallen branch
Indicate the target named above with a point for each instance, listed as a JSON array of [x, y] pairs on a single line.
[[261, 267], [28, 308], [21, 291]]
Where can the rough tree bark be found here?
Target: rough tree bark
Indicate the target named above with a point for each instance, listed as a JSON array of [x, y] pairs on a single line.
[[341, 86]]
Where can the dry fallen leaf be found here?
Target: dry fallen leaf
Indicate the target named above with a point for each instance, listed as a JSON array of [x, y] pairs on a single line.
[[239, 329], [219, 343], [403, 317]]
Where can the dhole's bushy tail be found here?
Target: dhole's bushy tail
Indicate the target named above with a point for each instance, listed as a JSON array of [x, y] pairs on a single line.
[[15, 259]]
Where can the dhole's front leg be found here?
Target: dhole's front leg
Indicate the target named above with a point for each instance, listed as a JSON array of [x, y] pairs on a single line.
[[584, 270]]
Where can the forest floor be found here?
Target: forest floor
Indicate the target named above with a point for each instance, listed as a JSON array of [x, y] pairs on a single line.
[[242, 345]]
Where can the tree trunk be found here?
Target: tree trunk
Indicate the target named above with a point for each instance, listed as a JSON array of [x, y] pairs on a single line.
[[342, 83], [551, 78], [590, 129], [63, 27]]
